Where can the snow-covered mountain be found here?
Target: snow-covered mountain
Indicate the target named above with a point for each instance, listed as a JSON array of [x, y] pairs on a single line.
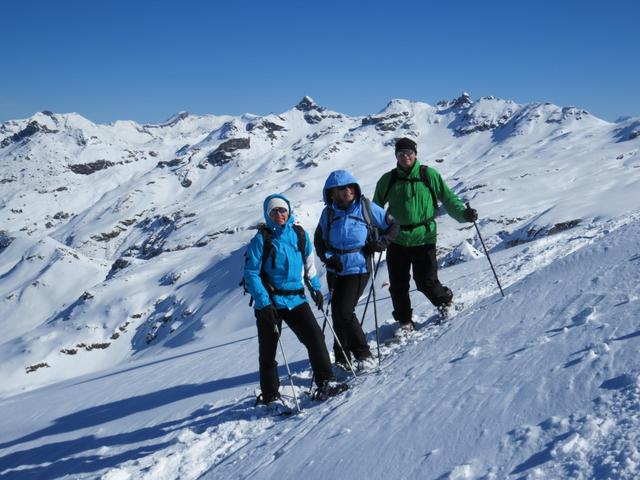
[[121, 250]]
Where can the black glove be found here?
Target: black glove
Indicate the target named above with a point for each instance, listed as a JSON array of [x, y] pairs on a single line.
[[373, 246], [268, 315], [470, 214], [334, 263], [318, 299]]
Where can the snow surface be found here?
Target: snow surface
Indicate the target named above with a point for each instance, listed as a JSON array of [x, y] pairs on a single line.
[[130, 352]]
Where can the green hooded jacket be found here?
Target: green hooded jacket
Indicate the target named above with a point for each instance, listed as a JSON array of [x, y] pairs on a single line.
[[410, 203]]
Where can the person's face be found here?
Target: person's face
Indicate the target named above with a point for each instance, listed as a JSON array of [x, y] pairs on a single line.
[[344, 195], [406, 158], [279, 215]]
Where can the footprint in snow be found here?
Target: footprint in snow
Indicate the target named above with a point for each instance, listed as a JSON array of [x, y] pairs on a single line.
[[472, 353], [584, 316]]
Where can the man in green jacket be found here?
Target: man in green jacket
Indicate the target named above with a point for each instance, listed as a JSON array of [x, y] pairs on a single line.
[[412, 192]]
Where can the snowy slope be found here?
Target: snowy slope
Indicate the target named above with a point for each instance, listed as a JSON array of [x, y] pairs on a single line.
[[121, 249], [544, 383]]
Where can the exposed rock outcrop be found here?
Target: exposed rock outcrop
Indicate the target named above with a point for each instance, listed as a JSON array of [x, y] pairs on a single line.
[[269, 127], [118, 265], [89, 168], [225, 151], [629, 132], [313, 113], [307, 104], [386, 123], [31, 129], [5, 240]]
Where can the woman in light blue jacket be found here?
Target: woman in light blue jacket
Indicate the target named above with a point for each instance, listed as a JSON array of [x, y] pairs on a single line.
[[273, 274], [350, 230]]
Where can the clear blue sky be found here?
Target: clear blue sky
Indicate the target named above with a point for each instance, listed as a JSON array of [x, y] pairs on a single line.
[[145, 60]]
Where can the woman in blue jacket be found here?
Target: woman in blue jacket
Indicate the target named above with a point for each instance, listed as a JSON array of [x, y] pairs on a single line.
[[345, 242], [273, 275]]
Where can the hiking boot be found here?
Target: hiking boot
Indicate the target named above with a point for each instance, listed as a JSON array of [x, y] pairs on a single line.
[[274, 404], [329, 388], [405, 329], [367, 364], [263, 399]]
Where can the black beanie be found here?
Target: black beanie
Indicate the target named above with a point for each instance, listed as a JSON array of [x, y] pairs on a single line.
[[406, 144]]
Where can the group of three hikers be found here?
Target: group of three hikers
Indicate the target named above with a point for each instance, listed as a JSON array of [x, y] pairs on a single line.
[[280, 260]]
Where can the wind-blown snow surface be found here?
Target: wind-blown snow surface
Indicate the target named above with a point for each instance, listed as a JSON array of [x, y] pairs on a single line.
[[122, 279]]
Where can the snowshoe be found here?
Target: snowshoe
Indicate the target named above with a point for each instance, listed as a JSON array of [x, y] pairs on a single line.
[[343, 366], [367, 364], [275, 406], [405, 330], [402, 334], [329, 388], [444, 312]]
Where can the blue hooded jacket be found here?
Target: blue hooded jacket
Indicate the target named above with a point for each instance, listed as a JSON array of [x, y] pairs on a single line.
[[348, 230], [286, 271]]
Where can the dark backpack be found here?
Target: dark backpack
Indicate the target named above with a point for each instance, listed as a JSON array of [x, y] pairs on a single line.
[[267, 250], [372, 230], [424, 178]]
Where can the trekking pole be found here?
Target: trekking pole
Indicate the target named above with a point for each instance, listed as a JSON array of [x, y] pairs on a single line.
[[487, 253], [370, 289], [375, 310], [324, 324], [293, 389], [335, 337]]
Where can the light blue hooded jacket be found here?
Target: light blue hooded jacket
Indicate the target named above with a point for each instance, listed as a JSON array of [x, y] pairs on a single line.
[[284, 270], [348, 230]]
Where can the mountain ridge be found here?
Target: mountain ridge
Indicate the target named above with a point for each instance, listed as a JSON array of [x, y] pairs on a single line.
[[126, 196]]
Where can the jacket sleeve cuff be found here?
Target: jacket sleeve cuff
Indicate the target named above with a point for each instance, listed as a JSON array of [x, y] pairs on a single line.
[[262, 302]]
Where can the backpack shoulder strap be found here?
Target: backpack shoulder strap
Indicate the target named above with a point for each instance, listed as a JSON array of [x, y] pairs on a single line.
[[266, 250], [393, 178], [366, 210], [372, 231], [267, 246], [424, 170], [327, 229], [302, 239], [302, 244]]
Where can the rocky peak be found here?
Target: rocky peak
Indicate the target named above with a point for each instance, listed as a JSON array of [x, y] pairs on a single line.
[[397, 105], [463, 101], [180, 116], [171, 121], [307, 104]]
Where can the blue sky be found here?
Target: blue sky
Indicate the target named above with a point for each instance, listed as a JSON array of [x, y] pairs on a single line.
[[145, 60]]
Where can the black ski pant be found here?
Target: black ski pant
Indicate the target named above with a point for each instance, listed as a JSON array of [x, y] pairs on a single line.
[[346, 290], [422, 260], [303, 324]]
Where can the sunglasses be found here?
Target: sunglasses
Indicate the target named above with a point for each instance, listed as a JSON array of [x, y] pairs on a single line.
[[404, 151], [279, 210], [344, 187]]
